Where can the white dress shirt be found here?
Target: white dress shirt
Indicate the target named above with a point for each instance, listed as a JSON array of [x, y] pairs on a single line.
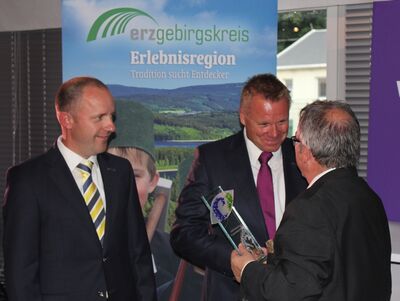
[[73, 159]]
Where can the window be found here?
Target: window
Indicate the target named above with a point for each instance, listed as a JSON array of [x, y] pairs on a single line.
[[321, 88]]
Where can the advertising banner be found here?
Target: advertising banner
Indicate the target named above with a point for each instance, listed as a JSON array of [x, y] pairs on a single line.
[[176, 70], [168, 44], [383, 145]]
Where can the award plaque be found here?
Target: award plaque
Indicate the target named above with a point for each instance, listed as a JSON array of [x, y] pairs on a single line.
[[224, 214]]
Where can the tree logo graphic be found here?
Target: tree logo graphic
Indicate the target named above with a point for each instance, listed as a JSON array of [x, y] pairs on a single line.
[[114, 21]]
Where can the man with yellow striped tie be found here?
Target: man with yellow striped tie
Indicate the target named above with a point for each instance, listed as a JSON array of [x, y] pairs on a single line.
[[73, 226]]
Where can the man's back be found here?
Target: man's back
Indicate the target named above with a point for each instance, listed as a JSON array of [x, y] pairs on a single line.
[[362, 249], [345, 233], [333, 244]]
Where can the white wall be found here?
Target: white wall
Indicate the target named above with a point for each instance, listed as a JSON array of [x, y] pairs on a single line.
[[16, 15]]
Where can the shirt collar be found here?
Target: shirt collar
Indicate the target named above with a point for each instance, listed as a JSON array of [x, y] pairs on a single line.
[[72, 158], [316, 178]]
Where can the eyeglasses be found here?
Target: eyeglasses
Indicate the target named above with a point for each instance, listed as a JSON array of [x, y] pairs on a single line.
[[295, 140]]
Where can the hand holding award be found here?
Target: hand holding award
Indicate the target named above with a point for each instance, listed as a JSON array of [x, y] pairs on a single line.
[[223, 213]]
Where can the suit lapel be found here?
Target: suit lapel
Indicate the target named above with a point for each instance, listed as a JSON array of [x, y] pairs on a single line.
[[108, 174], [240, 164], [248, 205], [62, 178]]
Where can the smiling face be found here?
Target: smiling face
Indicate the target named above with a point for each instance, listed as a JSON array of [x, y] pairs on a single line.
[[266, 122], [89, 123]]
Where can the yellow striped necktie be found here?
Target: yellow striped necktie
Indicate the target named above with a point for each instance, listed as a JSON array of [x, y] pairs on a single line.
[[93, 199]]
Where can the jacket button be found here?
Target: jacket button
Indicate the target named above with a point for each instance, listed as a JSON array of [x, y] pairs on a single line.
[[103, 294], [104, 259]]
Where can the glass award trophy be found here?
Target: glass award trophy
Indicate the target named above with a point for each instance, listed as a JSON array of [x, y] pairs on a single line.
[[224, 214]]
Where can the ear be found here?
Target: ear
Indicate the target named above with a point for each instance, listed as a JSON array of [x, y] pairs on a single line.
[[65, 119], [153, 182], [307, 155], [302, 153], [242, 117]]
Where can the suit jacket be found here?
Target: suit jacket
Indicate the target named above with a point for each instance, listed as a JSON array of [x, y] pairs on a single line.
[[51, 248], [223, 163], [332, 244]]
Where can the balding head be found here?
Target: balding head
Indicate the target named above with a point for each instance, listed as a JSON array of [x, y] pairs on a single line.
[[331, 131], [71, 91]]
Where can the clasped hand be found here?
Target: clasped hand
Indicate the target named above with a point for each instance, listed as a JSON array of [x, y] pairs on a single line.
[[240, 259]]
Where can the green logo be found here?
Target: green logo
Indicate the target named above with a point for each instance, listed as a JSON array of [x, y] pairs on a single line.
[[115, 21]]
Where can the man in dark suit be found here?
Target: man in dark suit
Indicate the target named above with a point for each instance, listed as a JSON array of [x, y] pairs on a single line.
[[73, 229], [333, 242], [232, 163]]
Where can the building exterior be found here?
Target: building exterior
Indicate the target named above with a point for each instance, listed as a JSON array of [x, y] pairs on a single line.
[[302, 67]]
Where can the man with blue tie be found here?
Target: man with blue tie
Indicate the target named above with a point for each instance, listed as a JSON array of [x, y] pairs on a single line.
[[73, 226]]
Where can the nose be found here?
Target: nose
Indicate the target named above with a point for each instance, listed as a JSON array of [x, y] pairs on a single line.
[[273, 131], [110, 125]]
